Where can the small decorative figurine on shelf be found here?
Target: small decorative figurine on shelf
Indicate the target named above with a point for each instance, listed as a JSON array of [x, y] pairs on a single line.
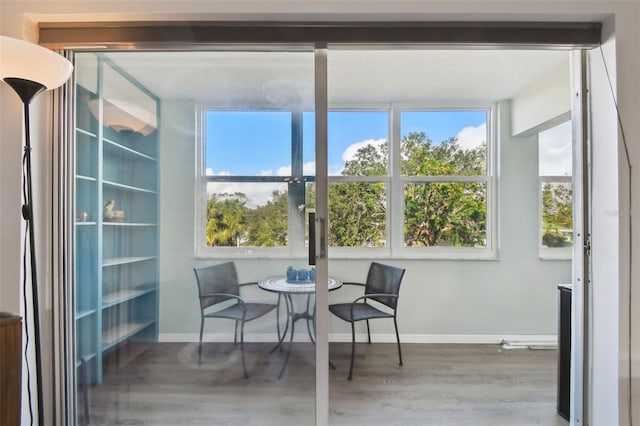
[[111, 215]]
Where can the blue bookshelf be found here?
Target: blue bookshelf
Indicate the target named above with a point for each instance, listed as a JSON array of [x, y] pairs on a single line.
[[116, 259]]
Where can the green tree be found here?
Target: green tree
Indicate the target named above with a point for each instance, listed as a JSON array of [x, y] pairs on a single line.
[[357, 214], [436, 213], [557, 214], [267, 224], [443, 213], [226, 219], [358, 210]]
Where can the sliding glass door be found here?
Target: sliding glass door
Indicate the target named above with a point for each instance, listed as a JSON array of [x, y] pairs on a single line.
[[433, 209], [310, 176], [194, 184]]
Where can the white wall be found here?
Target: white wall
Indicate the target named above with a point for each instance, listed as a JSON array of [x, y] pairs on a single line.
[[10, 155], [16, 19], [543, 104]]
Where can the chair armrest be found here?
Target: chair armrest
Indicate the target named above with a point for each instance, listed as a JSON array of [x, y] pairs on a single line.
[[395, 296], [356, 284], [232, 296], [246, 284]]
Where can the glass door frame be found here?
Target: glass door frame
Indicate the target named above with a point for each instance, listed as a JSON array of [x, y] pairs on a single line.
[[321, 232], [126, 35]]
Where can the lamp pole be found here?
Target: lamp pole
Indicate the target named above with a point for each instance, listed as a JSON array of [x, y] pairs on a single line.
[[31, 69], [27, 90]]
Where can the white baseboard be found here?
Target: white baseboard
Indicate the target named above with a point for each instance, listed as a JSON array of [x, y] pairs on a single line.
[[218, 337], [484, 339]]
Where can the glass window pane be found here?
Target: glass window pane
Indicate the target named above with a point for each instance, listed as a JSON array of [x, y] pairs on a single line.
[[358, 143], [444, 143], [308, 143], [357, 214], [445, 214], [557, 214], [247, 214], [555, 151], [248, 143]]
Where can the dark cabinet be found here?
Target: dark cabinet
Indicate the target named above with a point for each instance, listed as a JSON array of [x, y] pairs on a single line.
[[564, 350], [10, 369]]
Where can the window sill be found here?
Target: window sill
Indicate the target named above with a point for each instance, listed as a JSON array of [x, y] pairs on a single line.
[[340, 253], [565, 253]]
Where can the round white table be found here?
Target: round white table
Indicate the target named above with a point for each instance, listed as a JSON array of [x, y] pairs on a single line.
[[286, 289]]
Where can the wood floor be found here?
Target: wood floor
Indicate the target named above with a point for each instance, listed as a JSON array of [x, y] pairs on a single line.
[[441, 385]]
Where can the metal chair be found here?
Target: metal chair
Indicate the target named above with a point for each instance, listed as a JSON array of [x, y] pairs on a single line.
[[382, 287], [218, 284]]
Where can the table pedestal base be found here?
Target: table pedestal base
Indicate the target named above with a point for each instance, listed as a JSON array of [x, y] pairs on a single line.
[[292, 317]]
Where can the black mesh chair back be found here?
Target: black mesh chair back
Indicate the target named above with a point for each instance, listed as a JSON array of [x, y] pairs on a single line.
[[222, 278], [382, 286], [218, 284], [384, 279]]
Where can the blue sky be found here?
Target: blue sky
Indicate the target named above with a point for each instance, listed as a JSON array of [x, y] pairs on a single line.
[[255, 143], [259, 143]]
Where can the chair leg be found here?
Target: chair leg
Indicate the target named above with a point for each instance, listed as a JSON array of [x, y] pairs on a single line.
[[200, 345], [395, 323], [244, 366], [278, 319], [368, 332], [235, 334], [353, 348]]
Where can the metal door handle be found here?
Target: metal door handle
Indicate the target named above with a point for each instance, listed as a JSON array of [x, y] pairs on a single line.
[[321, 247]]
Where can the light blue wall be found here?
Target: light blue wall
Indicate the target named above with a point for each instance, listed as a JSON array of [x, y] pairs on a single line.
[[512, 295]]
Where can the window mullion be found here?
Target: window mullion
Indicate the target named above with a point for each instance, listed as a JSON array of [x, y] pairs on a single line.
[[296, 222], [395, 197]]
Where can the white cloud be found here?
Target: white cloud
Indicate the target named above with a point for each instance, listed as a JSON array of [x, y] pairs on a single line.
[[284, 171], [555, 151], [350, 152], [472, 137], [309, 169], [209, 172], [257, 193]]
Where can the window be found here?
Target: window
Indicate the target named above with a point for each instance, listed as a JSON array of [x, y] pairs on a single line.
[[420, 188], [359, 178], [255, 176], [556, 191], [443, 165]]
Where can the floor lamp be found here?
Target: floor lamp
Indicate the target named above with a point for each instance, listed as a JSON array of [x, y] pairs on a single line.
[[31, 69]]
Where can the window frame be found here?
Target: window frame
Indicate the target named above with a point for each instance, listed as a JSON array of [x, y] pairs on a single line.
[[552, 253], [489, 178], [201, 249], [394, 183]]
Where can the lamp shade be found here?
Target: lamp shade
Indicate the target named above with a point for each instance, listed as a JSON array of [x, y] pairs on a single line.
[[28, 61]]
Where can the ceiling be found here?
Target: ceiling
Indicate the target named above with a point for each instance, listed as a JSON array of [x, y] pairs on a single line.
[[364, 77]]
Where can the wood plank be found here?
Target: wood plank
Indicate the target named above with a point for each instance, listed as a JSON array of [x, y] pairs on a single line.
[[442, 385], [10, 369]]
